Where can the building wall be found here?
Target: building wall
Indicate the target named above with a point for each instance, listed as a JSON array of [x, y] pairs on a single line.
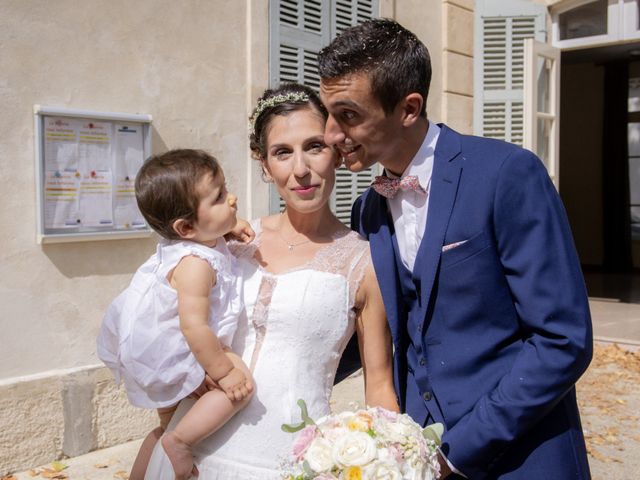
[[197, 67], [446, 28], [188, 64]]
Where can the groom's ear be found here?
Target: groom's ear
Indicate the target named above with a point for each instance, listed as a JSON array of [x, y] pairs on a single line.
[[411, 108]]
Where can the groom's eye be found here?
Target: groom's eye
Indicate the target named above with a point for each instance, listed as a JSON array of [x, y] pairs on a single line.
[[349, 114]]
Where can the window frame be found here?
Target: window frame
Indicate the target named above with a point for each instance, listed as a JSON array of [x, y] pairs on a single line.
[[620, 26]]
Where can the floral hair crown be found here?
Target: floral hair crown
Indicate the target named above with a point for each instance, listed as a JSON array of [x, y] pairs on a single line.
[[296, 97]]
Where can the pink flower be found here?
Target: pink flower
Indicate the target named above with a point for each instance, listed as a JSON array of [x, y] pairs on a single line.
[[303, 440]]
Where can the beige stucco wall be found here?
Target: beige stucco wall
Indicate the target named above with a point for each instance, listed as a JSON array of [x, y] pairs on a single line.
[[189, 65], [446, 28]]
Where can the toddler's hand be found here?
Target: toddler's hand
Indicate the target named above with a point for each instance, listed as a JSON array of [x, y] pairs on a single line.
[[241, 232], [236, 385]]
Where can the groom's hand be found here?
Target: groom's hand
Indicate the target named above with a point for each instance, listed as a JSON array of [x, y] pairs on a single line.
[[445, 471]]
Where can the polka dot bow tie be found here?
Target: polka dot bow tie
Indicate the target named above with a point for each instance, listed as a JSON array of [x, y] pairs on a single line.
[[388, 187]]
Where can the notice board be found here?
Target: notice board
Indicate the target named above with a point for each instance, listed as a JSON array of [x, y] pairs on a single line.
[[86, 165]]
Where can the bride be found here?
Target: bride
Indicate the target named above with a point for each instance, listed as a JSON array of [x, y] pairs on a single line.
[[308, 284]]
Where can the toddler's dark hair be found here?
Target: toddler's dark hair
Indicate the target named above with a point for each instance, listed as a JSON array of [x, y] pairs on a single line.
[[166, 188]]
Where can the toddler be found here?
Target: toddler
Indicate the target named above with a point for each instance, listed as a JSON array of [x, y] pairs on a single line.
[[166, 336]]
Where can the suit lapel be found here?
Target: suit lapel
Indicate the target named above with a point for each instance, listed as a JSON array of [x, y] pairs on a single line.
[[442, 195]]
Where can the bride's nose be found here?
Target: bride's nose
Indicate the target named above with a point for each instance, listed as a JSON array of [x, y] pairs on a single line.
[[232, 199], [300, 166]]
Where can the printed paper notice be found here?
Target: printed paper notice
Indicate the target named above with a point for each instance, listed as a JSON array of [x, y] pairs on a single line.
[[94, 146], [95, 199], [61, 199], [60, 144], [129, 158]]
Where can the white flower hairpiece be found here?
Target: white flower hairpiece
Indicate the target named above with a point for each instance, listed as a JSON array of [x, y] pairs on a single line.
[[297, 97]]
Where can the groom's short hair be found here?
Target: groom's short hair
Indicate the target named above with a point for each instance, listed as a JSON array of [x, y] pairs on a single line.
[[396, 61]]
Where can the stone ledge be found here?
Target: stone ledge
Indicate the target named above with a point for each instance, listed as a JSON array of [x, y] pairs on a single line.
[[64, 414]]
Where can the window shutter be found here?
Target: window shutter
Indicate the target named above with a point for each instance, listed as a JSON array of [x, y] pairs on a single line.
[[299, 29], [500, 32], [344, 14]]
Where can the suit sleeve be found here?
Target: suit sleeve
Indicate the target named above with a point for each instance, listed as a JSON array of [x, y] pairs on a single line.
[[542, 270]]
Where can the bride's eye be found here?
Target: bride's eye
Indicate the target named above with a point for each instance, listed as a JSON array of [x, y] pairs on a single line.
[[317, 147], [281, 153]]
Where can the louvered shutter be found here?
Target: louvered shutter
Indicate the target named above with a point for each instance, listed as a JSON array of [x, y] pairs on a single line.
[[299, 29], [344, 14], [500, 32]]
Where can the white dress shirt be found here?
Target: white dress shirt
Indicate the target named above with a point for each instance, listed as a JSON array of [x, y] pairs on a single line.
[[409, 208]]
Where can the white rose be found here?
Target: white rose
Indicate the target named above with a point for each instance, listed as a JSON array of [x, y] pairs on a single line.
[[383, 471], [396, 432], [318, 455], [417, 472], [354, 449]]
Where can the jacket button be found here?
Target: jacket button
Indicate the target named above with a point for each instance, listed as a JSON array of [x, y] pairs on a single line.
[[426, 396], [423, 362]]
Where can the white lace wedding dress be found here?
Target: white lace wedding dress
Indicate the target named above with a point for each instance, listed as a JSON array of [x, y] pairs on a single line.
[[296, 327]]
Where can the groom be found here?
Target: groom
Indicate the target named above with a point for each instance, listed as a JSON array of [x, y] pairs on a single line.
[[481, 282]]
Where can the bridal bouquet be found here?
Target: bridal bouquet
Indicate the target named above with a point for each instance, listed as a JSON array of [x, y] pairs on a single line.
[[368, 444]]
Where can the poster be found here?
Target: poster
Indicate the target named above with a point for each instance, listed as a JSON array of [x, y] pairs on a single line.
[[89, 174], [128, 160]]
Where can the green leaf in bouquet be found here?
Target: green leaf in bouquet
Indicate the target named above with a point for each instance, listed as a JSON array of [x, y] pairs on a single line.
[[308, 470], [293, 428], [434, 433], [304, 413], [306, 419]]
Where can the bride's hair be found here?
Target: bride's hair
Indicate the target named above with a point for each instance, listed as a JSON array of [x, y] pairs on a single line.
[[283, 100]]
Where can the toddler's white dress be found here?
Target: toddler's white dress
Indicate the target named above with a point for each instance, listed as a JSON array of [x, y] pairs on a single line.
[[140, 339], [294, 329]]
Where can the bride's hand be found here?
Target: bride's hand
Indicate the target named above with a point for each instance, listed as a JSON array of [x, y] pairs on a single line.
[[236, 385]]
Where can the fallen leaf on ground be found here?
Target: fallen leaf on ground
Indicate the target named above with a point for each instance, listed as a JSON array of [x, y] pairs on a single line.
[[9, 477], [58, 466], [101, 465], [121, 474], [50, 473]]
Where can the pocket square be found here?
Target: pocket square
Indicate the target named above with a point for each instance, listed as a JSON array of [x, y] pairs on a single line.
[[446, 248]]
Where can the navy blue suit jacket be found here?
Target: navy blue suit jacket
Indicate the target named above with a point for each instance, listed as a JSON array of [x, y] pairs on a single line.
[[506, 325]]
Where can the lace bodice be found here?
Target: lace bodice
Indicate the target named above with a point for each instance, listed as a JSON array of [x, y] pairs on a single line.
[[296, 327]]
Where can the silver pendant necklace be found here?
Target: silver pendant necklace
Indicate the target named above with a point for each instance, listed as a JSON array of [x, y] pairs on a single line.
[[291, 246]]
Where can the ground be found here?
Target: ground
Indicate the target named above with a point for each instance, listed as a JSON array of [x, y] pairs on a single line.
[[609, 399], [608, 394]]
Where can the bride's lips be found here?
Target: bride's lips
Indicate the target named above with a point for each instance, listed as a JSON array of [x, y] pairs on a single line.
[[305, 189]]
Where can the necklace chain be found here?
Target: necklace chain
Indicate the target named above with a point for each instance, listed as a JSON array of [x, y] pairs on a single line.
[[290, 245]]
